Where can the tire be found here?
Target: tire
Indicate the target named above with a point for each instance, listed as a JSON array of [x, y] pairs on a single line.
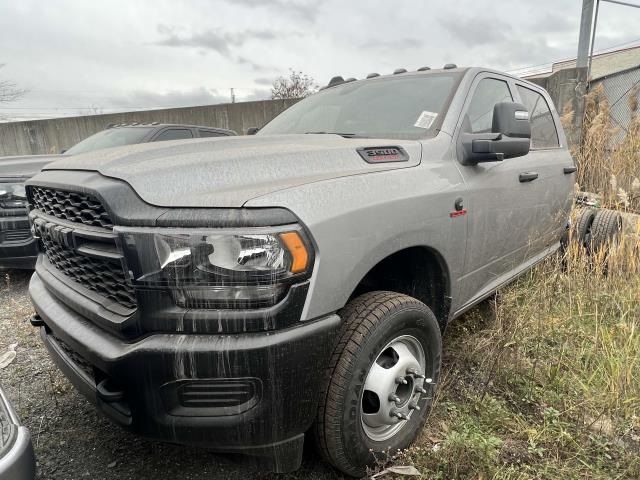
[[378, 329], [582, 229], [605, 229]]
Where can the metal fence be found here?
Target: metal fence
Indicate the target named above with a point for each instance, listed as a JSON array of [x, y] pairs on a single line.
[[622, 91]]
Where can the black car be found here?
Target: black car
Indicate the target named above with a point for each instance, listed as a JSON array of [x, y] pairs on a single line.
[[17, 461], [17, 246]]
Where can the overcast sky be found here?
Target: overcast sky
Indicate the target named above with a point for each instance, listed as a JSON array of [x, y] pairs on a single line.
[[75, 56]]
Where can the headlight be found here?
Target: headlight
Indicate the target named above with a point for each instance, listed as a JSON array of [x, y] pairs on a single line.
[[13, 195], [217, 268]]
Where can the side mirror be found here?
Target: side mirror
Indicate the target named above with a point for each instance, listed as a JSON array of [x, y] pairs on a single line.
[[252, 130], [510, 136]]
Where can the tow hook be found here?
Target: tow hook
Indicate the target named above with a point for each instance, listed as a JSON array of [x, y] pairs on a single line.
[[36, 321]]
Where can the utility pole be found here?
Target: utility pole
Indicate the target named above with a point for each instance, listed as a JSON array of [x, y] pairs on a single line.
[[233, 96], [586, 25]]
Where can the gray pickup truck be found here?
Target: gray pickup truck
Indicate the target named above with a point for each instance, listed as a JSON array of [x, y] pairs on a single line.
[[240, 293], [17, 246]]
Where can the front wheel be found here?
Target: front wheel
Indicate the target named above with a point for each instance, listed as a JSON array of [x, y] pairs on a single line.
[[380, 382]]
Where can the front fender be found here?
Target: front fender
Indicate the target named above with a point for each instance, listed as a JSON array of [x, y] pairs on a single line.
[[358, 221]]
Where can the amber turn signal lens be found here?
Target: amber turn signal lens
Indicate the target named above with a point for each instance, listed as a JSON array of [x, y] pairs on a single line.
[[296, 247]]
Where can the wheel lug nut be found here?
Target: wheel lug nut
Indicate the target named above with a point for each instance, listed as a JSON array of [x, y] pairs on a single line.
[[394, 398], [401, 380], [414, 372], [399, 415], [414, 406], [421, 390], [429, 380]]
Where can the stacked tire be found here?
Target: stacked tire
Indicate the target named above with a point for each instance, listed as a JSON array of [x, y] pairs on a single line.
[[605, 230], [595, 230]]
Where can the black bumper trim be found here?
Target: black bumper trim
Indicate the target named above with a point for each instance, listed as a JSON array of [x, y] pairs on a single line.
[[288, 362]]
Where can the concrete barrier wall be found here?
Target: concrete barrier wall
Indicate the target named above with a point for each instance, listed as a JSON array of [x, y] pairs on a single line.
[[51, 136]]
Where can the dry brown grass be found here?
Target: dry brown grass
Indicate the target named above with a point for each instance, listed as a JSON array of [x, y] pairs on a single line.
[[608, 169], [542, 382]]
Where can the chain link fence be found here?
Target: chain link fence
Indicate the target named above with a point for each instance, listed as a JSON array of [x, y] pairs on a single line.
[[622, 91]]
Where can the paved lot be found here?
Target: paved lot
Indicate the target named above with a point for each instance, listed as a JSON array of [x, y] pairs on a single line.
[[71, 440]]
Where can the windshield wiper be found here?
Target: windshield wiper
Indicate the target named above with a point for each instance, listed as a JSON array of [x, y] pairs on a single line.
[[345, 135]]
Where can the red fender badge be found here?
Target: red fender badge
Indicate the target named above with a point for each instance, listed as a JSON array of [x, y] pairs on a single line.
[[459, 208]]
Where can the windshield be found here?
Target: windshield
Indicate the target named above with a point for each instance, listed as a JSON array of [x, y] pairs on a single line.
[[112, 137], [403, 107]]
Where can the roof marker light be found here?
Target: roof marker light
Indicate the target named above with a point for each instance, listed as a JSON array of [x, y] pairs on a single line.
[[337, 80]]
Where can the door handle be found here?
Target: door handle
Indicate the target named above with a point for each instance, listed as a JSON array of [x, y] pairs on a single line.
[[527, 177], [568, 170]]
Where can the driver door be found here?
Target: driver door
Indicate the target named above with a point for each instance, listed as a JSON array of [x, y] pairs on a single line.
[[503, 211]]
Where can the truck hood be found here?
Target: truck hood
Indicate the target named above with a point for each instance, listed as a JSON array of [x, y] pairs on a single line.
[[227, 172], [24, 166]]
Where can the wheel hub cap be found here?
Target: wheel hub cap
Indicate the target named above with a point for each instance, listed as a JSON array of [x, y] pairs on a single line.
[[393, 388]]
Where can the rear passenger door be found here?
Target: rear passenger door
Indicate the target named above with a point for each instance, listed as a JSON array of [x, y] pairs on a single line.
[[173, 134], [552, 160], [503, 212]]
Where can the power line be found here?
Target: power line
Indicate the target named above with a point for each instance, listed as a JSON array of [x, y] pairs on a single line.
[[215, 89], [98, 107], [626, 4], [53, 109], [604, 50]]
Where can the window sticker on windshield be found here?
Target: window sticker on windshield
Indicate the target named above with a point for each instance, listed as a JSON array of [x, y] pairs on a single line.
[[425, 120]]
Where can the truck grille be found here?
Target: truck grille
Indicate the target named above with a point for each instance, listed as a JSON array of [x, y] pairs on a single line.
[[71, 206], [13, 212], [18, 235], [104, 276], [91, 263]]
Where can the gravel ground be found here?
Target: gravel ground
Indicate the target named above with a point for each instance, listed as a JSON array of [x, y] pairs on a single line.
[[72, 441]]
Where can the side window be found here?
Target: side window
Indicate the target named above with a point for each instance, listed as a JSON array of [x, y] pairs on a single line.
[[480, 112], [174, 134], [209, 133], [543, 128]]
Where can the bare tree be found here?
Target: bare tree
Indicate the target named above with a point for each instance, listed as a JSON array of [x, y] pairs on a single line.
[[296, 85], [93, 109], [9, 92]]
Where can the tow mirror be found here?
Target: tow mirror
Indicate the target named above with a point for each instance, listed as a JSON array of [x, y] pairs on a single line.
[[252, 130], [510, 136]]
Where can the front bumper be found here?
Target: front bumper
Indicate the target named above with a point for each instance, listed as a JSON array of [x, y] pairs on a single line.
[[17, 461], [181, 387], [18, 249]]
